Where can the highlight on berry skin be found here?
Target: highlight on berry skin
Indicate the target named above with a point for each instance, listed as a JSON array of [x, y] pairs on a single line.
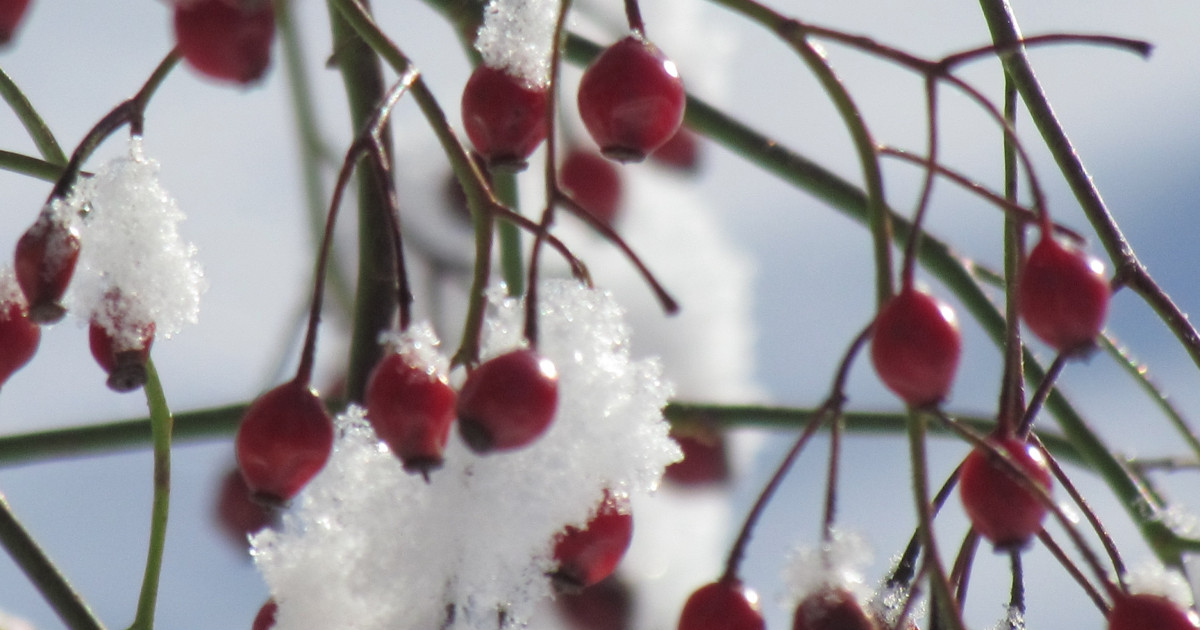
[[722, 605], [508, 401], [1001, 508], [1064, 294], [631, 99], [504, 117], [915, 347], [283, 441]]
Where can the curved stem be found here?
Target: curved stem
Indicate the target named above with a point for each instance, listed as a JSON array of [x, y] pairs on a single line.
[[161, 426]]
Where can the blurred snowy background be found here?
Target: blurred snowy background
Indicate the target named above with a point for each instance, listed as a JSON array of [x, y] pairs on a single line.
[[228, 156]]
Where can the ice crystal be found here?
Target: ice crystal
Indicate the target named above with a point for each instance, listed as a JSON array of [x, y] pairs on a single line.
[[367, 545], [516, 37], [134, 268]]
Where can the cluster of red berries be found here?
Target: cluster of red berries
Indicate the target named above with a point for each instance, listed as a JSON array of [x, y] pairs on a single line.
[[228, 40], [44, 262], [505, 403], [630, 98]]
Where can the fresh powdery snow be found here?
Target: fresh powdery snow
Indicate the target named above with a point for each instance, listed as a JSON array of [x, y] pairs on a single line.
[[838, 563], [368, 546], [133, 268], [517, 36]]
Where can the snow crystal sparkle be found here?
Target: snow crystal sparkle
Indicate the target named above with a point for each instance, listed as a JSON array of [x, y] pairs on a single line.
[[516, 37], [132, 251], [369, 546]]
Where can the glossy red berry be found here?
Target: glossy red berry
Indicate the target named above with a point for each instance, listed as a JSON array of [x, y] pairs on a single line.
[[45, 261], [705, 460], [586, 556], [1145, 611], [593, 182], [508, 401], [265, 619], [123, 359], [606, 605], [224, 40], [722, 605], [631, 99], [1001, 508], [411, 409], [1063, 295], [11, 12], [915, 347], [19, 338], [831, 609], [283, 441], [504, 118], [681, 152], [236, 513]]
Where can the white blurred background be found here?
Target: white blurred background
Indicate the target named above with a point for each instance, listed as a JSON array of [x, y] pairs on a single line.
[[229, 156]]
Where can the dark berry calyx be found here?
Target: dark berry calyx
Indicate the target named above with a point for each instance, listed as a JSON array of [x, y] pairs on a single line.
[[283, 441], [508, 401], [1064, 295], [631, 99], [122, 355], [1001, 506], [505, 118], [586, 556], [722, 605], [915, 347], [411, 407]]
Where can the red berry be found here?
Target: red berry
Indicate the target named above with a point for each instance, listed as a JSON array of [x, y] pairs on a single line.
[[45, 261], [411, 409], [606, 605], [681, 152], [11, 12], [283, 441], [125, 362], [915, 347], [1063, 295], [722, 605], [265, 619], [586, 556], [505, 118], [831, 609], [1000, 507], [236, 513], [19, 338], [631, 99], [226, 41], [1145, 611], [705, 460], [508, 401], [594, 182]]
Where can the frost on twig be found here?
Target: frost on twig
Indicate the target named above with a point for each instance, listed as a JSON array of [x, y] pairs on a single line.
[[367, 545], [134, 268]]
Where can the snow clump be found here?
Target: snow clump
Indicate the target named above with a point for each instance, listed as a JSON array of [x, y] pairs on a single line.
[[517, 36], [369, 546], [134, 269]]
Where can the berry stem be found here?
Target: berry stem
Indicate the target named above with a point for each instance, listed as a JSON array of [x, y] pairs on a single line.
[[633, 15], [1012, 388], [830, 408], [1072, 569], [1041, 393], [914, 236], [161, 423], [1016, 597]]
